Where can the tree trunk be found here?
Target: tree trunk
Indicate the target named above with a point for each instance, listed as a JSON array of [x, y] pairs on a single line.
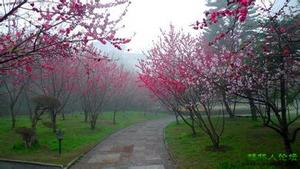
[[30, 115], [93, 120], [185, 120], [283, 103], [86, 115], [13, 116], [114, 118], [54, 125], [193, 130], [193, 124], [297, 107], [267, 108], [253, 109], [34, 121], [53, 118], [35, 117], [215, 140], [13, 120], [287, 144], [216, 145], [63, 115], [228, 109], [234, 106], [93, 124], [176, 116]]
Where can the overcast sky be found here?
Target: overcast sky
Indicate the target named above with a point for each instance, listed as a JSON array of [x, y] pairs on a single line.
[[146, 17]]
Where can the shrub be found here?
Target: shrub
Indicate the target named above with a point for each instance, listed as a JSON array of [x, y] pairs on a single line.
[[45, 103], [28, 135], [48, 102], [48, 124]]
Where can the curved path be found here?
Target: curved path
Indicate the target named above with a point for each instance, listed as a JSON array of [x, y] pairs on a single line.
[[140, 146]]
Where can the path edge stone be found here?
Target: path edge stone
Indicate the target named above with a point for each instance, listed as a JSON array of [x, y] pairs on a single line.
[[31, 162]]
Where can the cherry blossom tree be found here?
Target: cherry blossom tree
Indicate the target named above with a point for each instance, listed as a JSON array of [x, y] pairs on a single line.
[[119, 84], [97, 86], [180, 75], [55, 77], [157, 72], [14, 83], [272, 78], [38, 29], [266, 65]]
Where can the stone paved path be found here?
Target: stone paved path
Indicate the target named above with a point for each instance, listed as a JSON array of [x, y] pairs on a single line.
[[137, 147]]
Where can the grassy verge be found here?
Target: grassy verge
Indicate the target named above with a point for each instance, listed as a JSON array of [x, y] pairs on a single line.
[[78, 137], [241, 135]]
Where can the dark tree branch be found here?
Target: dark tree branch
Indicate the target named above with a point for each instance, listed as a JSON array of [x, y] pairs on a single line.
[[12, 11]]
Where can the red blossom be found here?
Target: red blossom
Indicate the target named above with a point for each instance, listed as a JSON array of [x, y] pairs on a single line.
[[213, 17], [286, 52], [28, 68], [282, 30]]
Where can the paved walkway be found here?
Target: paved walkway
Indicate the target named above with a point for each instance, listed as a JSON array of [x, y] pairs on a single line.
[[140, 146]]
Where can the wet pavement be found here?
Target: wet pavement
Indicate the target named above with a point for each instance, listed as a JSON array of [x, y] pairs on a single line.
[[140, 146]]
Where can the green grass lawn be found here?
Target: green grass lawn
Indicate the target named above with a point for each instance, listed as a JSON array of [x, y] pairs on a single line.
[[242, 136], [78, 137]]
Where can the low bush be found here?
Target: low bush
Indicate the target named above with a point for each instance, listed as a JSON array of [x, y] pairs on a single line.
[[47, 124], [28, 135]]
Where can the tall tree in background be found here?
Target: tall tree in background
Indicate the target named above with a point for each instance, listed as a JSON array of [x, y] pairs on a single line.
[[210, 34], [214, 35]]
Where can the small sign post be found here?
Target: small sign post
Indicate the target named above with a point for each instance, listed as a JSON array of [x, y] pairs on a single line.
[[60, 137]]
